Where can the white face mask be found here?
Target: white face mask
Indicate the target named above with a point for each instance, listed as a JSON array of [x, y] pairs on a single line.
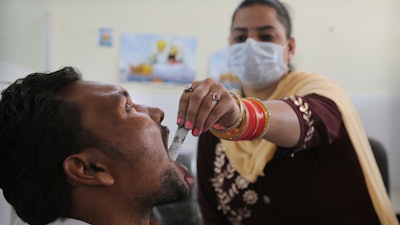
[[257, 64]]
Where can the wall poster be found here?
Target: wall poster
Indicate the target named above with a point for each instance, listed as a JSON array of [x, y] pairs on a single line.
[[157, 58]]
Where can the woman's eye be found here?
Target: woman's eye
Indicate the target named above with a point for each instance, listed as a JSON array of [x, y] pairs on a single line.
[[127, 107], [240, 39], [266, 37]]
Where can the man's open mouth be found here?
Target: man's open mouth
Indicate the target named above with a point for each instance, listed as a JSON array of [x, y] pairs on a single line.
[[165, 136]]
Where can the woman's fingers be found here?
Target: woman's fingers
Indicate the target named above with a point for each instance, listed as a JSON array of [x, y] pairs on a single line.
[[225, 113], [202, 104], [184, 103], [207, 115], [190, 102]]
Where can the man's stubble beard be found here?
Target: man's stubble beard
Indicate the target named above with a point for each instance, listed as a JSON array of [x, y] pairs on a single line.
[[172, 188]]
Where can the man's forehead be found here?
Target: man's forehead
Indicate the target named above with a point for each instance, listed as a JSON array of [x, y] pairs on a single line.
[[91, 96], [89, 88], [94, 95]]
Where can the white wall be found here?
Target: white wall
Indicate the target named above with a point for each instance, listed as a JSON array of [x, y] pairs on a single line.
[[351, 41], [22, 35]]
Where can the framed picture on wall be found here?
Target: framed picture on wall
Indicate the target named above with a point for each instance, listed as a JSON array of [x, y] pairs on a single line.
[[157, 58]]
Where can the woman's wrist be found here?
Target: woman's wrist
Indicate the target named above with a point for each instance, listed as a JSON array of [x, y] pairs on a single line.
[[253, 122]]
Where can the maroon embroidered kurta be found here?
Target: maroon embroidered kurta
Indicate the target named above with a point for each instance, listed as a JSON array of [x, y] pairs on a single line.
[[319, 182]]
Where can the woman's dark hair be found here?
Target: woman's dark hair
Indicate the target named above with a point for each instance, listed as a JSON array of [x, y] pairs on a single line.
[[38, 130], [283, 14]]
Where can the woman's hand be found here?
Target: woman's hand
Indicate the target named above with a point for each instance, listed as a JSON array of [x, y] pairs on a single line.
[[205, 103]]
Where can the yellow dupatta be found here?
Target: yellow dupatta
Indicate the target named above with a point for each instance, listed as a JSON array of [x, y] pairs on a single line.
[[250, 157]]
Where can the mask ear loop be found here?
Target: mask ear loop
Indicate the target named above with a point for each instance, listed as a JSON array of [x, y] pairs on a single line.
[[287, 66]]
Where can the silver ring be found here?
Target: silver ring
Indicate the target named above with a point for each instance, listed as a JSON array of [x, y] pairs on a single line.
[[188, 88], [215, 96]]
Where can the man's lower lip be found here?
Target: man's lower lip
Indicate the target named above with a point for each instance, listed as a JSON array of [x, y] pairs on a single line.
[[190, 180]]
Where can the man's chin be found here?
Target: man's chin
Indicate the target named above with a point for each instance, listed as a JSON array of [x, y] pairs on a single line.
[[181, 193], [175, 186]]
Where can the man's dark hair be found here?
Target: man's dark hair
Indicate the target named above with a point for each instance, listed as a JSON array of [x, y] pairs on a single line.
[[38, 130], [283, 14]]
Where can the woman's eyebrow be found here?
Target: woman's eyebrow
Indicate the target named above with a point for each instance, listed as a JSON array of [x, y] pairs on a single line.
[[261, 28], [266, 27]]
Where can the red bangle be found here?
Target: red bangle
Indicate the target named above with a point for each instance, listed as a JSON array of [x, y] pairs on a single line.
[[260, 119], [252, 122], [267, 115]]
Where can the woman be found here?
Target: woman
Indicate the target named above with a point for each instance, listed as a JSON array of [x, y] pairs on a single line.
[[291, 149]]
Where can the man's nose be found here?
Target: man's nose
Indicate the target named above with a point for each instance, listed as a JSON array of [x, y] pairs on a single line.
[[156, 114]]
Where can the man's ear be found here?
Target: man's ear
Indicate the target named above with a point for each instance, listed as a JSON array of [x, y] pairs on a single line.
[[81, 168], [292, 48]]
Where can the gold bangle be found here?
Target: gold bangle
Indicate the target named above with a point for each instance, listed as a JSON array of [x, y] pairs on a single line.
[[238, 101], [251, 122], [235, 132]]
